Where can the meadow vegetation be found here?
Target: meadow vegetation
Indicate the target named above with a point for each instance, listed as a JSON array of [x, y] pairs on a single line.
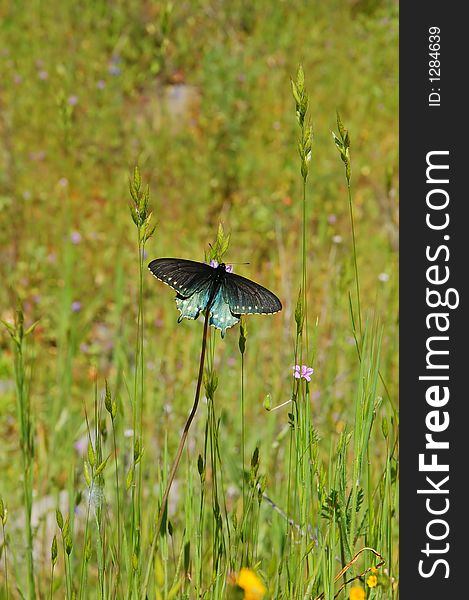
[[287, 488]]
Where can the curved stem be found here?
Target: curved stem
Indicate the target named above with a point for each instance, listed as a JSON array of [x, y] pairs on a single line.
[[178, 454]]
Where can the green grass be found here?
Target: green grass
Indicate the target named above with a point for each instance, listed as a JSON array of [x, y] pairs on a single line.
[[288, 478]]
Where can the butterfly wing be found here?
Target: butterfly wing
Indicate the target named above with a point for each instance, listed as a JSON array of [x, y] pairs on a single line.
[[184, 276], [246, 297], [221, 316], [191, 280]]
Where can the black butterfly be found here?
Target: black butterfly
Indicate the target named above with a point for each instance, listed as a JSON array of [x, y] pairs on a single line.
[[202, 287]]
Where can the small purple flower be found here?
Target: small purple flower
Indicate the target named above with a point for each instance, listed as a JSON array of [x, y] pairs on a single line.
[[17, 79], [76, 306], [81, 445], [73, 100], [43, 75], [37, 156], [114, 70], [100, 84], [302, 372], [214, 265], [75, 237]]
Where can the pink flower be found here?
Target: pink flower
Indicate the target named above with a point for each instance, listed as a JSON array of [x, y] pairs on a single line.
[[302, 372]]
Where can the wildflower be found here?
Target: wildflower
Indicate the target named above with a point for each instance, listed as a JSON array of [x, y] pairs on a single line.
[[383, 277], [302, 372], [253, 587], [100, 84], [43, 75], [372, 581], [37, 156], [357, 593], [75, 237], [214, 264], [374, 570], [73, 100], [81, 445], [76, 306], [114, 70]]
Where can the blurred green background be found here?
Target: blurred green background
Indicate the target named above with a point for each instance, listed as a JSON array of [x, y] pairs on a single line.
[[198, 95]]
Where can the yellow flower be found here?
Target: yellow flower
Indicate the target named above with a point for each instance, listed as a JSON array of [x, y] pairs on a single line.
[[357, 593], [372, 581], [253, 587], [374, 570]]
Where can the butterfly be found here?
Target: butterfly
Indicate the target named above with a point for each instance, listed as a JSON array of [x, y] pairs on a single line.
[[202, 287]]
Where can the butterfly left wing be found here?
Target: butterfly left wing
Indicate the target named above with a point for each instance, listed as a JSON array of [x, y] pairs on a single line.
[[184, 276], [246, 297]]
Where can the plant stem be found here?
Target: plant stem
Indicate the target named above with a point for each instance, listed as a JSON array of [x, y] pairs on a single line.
[[51, 581], [304, 271], [357, 284], [243, 458], [178, 453], [118, 504], [7, 591], [24, 418]]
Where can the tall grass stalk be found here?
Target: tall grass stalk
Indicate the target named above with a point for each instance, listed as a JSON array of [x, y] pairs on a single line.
[[3, 519], [366, 404], [53, 561], [301, 440], [342, 142], [23, 404], [141, 216], [67, 544], [111, 408], [219, 524]]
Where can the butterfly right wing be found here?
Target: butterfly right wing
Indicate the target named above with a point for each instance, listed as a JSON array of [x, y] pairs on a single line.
[[190, 279], [246, 297]]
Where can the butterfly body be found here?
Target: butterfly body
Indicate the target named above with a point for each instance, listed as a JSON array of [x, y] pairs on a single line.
[[200, 287]]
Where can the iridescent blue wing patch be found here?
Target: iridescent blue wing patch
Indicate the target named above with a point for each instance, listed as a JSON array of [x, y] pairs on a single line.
[[221, 316], [191, 307]]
